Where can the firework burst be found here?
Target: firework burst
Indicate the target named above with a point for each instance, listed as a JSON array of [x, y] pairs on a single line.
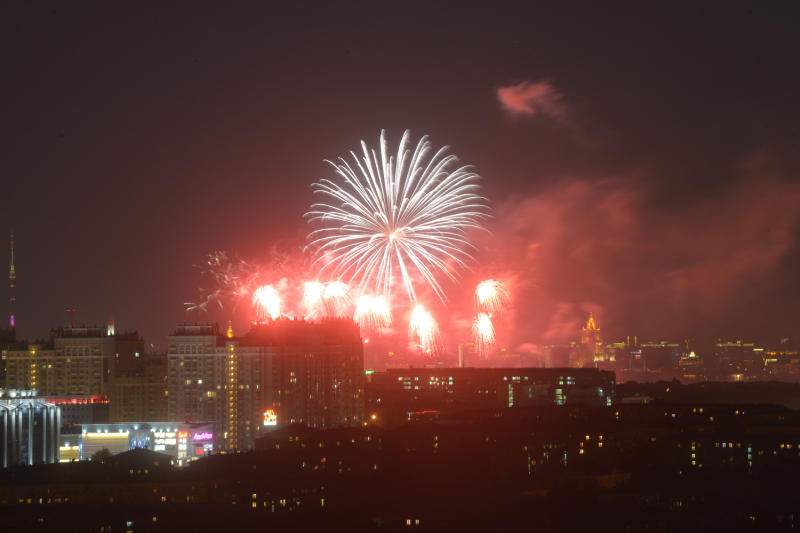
[[483, 333], [491, 296], [336, 298], [372, 313], [401, 216], [267, 302], [232, 280], [424, 329], [313, 294]]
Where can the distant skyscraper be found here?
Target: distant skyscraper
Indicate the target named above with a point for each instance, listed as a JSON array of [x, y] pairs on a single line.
[[591, 349], [560, 355], [12, 285], [467, 352]]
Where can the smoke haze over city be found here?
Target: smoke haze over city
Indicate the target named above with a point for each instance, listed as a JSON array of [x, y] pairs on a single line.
[[655, 185]]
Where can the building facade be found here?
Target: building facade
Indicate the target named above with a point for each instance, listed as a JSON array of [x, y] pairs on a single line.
[[591, 349], [77, 410], [215, 377], [182, 441], [138, 390], [434, 390], [300, 372], [29, 429], [79, 360]]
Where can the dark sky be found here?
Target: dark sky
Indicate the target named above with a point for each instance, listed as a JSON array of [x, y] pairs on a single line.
[[643, 166]]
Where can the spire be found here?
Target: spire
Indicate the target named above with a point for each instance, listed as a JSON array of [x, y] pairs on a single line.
[[229, 333], [591, 325], [12, 284]]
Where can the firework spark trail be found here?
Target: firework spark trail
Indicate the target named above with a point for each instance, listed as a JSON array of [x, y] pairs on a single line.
[[372, 313], [483, 333], [336, 298], [424, 328], [267, 302], [313, 293], [232, 279], [406, 213], [491, 296]]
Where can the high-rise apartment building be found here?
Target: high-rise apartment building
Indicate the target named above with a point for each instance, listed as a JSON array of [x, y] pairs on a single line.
[[308, 373], [138, 391], [79, 360], [215, 377], [317, 371]]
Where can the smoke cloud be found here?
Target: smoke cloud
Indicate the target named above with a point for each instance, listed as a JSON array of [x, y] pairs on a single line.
[[606, 246], [530, 98]]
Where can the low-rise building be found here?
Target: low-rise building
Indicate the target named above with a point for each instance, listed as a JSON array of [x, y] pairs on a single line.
[[29, 429], [183, 442]]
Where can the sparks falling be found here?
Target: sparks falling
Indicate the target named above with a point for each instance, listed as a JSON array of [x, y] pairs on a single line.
[[491, 296], [401, 216], [232, 280], [423, 328], [483, 333], [313, 293], [372, 313], [336, 298], [267, 302]]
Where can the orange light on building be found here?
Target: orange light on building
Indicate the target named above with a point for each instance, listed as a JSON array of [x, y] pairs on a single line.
[[270, 417]]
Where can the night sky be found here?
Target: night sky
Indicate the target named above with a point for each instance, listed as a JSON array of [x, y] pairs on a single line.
[[641, 163]]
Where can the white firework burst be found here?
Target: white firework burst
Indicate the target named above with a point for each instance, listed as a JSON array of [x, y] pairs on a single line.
[[403, 215]]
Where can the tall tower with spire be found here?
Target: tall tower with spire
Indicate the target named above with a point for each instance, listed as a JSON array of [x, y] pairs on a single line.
[[591, 349], [12, 286]]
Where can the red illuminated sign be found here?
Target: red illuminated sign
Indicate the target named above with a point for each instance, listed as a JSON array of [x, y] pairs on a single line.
[[183, 434], [78, 400]]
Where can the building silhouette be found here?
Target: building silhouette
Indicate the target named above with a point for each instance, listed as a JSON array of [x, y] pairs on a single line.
[[300, 372]]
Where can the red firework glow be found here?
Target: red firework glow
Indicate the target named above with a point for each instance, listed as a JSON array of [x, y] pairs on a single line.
[[483, 332], [424, 329], [267, 302], [274, 293]]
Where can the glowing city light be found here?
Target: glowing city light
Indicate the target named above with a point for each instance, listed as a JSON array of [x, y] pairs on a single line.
[[270, 417]]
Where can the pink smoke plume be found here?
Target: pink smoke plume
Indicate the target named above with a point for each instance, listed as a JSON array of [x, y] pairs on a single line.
[[606, 246], [531, 98]]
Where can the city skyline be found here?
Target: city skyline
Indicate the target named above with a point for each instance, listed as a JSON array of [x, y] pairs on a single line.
[[393, 339]]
